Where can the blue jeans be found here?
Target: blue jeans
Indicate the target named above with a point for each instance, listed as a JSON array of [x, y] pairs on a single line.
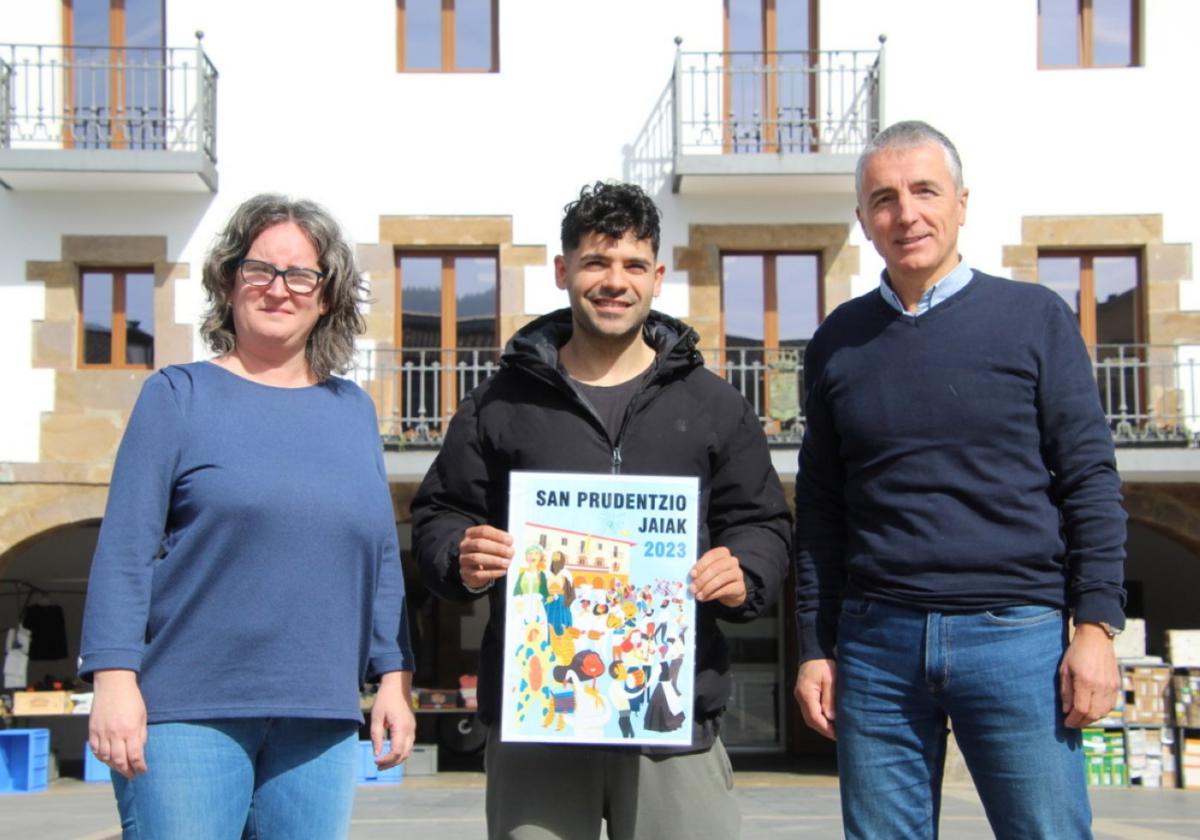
[[903, 672], [260, 778]]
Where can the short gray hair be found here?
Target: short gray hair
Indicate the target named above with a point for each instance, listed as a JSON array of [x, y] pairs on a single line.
[[906, 135], [330, 346]]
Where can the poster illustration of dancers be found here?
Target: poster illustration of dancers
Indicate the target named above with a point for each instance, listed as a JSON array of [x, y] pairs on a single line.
[[599, 623]]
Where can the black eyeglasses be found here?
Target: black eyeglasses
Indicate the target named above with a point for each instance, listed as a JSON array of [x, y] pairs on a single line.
[[300, 281]]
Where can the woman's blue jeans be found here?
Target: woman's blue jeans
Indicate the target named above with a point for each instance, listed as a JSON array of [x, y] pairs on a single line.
[[903, 672], [260, 778]]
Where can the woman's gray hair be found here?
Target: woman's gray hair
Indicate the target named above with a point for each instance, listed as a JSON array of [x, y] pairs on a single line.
[[906, 135], [330, 346]]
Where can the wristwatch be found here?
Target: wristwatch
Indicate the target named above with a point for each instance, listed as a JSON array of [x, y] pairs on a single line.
[[1109, 630]]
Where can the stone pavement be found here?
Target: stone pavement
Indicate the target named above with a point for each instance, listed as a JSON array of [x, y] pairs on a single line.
[[449, 806]]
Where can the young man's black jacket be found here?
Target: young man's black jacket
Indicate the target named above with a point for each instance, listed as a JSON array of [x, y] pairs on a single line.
[[684, 421]]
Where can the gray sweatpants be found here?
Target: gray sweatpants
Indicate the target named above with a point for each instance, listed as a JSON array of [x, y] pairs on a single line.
[[559, 792]]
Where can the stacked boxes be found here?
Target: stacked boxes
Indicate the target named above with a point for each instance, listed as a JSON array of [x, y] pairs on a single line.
[[1191, 761], [1104, 752], [1150, 757], [1147, 694], [1186, 683]]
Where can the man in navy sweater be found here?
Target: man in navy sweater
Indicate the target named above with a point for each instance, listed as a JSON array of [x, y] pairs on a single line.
[[957, 499]]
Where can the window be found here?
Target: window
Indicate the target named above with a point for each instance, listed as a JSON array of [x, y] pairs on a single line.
[[116, 308], [447, 36], [116, 65], [1088, 33], [1103, 290], [770, 75], [447, 329], [771, 304]]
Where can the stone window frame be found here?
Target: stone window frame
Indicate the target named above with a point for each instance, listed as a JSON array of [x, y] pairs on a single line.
[[1164, 265], [701, 259], [440, 234], [92, 403]]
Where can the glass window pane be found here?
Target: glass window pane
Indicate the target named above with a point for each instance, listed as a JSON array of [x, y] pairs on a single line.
[[97, 291], [146, 66], [139, 319], [745, 81], [144, 23], [89, 99], [1061, 275], [1116, 280], [473, 34], [742, 299], [421, 301], [791, 24], [475, 290], [796, 277], [794, 85], [1060, 32], [1112, 32], [423, 34], [89, 23]]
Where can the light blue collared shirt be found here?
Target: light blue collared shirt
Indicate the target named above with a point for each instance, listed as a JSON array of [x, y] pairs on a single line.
[[935, 294]]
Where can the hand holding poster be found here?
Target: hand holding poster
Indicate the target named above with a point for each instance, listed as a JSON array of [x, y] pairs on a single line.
[[599, 623]]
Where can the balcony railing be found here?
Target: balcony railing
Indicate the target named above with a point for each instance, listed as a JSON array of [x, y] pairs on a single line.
[[799, 102], [760, 113], [416, 391], [1149, 395], [134, 99]]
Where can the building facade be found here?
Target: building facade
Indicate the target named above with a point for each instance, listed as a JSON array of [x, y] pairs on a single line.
[[447, 135]]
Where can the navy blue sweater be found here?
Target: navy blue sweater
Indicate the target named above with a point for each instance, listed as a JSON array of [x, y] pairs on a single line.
[[956, 461], [248, 562]]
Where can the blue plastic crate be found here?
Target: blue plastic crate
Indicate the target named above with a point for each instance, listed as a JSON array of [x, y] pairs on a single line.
[[24, 760], [94, 770], [369, 774]]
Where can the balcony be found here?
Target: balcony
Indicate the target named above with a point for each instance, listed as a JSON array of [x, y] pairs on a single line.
[[1150, 395], [754, 122], [107, 119]]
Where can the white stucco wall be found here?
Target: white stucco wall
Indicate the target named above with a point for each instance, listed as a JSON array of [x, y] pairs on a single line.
[[310, 104]]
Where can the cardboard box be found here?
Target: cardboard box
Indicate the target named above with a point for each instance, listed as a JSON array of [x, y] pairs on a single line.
[[1147, 694], [436, 698], [1131, 643], [1183, 647], [1186, 688], [41, 703]]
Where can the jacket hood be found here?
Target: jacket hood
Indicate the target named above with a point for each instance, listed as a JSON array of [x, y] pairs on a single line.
[[535, 346]]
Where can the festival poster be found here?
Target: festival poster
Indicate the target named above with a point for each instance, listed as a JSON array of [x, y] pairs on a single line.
[[599, 623]]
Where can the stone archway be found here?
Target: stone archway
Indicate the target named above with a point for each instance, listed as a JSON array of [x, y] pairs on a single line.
[[1171, 509], [36, 503]]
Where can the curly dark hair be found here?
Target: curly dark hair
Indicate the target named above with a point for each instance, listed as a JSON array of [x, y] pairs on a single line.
[[330, 347], [611, 209]]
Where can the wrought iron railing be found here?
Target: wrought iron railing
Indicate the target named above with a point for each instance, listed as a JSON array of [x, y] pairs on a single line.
[[417, 390], [101, 97], [1149, 393], [742, 102], [818, 101]]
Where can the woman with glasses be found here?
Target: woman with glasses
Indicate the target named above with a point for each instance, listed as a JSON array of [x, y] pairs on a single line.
[[247, 577]]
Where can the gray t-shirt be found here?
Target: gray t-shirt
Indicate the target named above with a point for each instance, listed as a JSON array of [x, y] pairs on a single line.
[[610, 401]]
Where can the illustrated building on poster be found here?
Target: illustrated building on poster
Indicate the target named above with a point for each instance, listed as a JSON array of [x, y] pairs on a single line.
[[592, 560]]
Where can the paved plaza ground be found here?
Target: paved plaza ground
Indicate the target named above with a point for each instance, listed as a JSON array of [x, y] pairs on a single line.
[[449, 806]]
